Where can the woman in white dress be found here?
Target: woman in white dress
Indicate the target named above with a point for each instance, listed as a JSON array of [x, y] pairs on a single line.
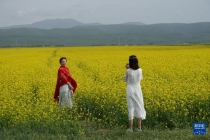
[[134, 95]]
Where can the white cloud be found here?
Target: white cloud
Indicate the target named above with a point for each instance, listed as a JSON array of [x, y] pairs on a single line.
[[21, 12], [32, 9]]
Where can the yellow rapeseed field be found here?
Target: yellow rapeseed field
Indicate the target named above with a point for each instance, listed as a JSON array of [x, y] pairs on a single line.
[[176, 85]]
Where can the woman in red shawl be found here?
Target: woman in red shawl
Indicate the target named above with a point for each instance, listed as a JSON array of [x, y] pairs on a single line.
[[65, 86]]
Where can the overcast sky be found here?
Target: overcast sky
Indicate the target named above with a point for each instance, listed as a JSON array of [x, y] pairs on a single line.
[[17, 12]]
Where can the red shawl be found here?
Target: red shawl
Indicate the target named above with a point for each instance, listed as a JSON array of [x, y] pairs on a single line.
[[64, 76]]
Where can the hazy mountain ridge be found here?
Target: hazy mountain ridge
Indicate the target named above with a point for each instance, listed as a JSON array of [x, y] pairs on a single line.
[[49, 24], [97, 34], [61, 24]]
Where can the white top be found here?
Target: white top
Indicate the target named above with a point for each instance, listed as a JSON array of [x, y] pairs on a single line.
[[133, 76]]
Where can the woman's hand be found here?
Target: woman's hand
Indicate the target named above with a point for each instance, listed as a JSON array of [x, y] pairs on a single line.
[[70, 86], [127, 66]]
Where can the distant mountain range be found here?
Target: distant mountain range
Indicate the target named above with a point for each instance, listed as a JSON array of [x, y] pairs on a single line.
[[61, 24], [73, 33]]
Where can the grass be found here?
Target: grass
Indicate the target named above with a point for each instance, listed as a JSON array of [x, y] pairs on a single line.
[[93, 133]]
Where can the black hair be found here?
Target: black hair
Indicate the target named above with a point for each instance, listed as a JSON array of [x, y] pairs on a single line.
[[132, 56], [133, 62], [62, 59]]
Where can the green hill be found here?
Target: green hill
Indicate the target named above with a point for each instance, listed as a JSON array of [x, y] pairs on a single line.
[[119, 34]]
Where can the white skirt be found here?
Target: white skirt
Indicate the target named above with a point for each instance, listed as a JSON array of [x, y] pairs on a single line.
[[65, 96], [135, 102]]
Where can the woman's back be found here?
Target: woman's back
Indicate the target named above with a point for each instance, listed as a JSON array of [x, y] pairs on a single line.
[[133, 76]]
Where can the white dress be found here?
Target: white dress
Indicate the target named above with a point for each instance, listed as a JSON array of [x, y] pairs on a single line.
[[65, 96], [134, 95]]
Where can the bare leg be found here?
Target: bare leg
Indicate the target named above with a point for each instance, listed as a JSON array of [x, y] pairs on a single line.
[[131, 124], [139, 123]]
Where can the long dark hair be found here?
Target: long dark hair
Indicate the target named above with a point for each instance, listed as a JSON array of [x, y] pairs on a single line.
[[133, 62]]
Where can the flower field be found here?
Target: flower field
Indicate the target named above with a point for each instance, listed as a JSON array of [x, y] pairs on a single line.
[[176, 86]]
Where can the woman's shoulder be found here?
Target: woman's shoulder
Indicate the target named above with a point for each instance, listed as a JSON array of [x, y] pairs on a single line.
[[139, 69]]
